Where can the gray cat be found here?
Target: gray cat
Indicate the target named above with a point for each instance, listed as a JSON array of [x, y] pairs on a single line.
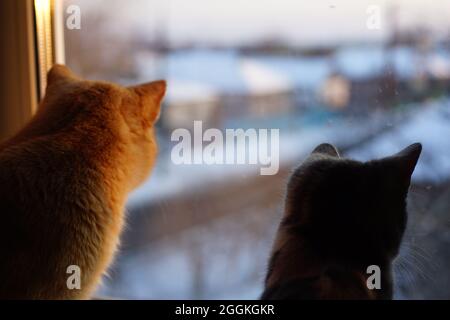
[[341, 216]]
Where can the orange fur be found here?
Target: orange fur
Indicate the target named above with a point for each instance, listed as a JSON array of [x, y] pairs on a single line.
[[64, 179]]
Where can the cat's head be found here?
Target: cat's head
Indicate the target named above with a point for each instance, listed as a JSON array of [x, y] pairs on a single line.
[[107, 114], [348, 211]]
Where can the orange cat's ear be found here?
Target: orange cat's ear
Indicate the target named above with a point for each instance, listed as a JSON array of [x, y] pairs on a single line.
[[58, 73], [154, 90], [151, 95]]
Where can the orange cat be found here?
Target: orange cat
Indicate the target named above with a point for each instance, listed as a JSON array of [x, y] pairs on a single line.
[[64, 180]]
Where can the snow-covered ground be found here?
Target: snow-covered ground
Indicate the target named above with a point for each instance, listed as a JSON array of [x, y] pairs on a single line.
[[169, 179], [202, 262], [428, 124]]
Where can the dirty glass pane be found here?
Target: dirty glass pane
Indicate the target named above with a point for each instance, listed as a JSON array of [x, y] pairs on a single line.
[[370, 77]]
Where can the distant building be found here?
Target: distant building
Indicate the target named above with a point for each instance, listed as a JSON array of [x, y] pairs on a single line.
[[269, 92], [306, 75], [216, 86], [336, 92], [187, 102], [380, 77]]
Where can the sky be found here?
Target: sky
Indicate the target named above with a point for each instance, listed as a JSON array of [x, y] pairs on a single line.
[[300, 22]]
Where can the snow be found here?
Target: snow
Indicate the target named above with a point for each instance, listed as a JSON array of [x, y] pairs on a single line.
[[169, 179], [405, 62], [202, 73], [438, 64], [367, 61], [261, 79], [218, 69], [195, 74], [360, 62], [429, 125], [234, 262], [364, 62], [303, 72], [168, 269], [189, 264], [188, 91]]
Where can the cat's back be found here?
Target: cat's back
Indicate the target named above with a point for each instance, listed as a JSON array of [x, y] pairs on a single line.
[[49, 198], [41, 167]]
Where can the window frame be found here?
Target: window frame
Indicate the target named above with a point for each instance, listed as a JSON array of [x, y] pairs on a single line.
[[32, 41], [49, 30]]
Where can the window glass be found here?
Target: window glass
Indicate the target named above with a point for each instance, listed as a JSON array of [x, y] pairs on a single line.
[[370, 77]]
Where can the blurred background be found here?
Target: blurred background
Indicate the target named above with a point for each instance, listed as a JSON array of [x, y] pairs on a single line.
[[369, 76]]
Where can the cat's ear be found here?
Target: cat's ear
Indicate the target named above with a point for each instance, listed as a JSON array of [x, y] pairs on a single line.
[[59, 73], [151, 95], [328, 149], [405, 161]]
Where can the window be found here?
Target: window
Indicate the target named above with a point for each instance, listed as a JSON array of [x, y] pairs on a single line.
[[369, 78]]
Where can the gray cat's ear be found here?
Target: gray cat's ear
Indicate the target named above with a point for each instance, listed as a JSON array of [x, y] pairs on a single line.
[[405, 161], [328, 149], [58, 73]]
